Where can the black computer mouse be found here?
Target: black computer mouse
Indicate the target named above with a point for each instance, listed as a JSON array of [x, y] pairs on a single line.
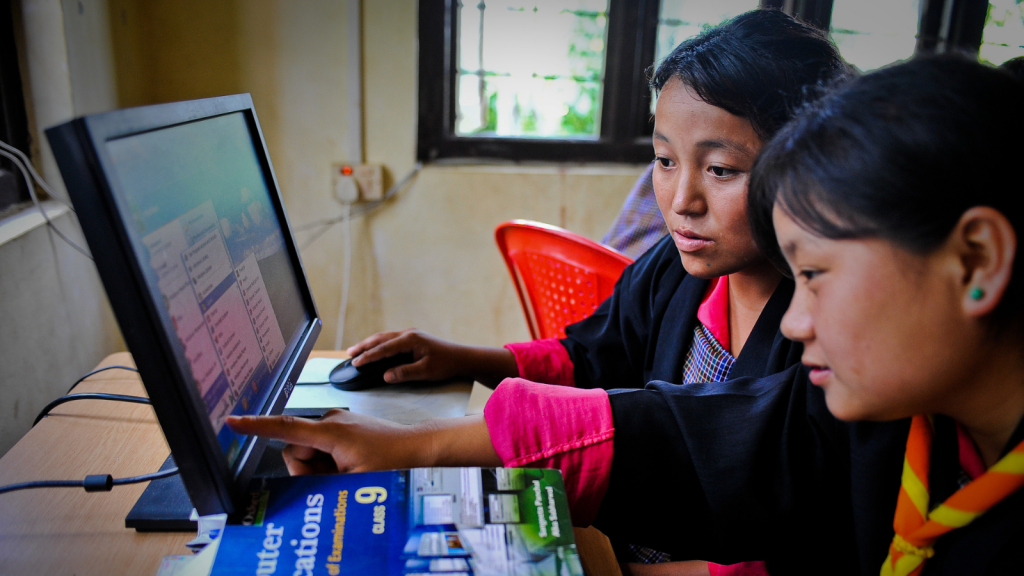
[[350, 378]]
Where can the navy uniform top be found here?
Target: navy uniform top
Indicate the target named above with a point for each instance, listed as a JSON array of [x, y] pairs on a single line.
[[753, 469], [643, 331]]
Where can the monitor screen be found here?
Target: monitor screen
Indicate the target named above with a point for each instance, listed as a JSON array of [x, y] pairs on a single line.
[[200, 219]]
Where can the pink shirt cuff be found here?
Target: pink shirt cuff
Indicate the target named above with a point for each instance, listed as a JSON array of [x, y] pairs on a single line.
[[538, 426], [544, 361]]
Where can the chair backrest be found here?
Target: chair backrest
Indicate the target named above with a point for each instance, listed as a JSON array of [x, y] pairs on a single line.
[[561, 277]]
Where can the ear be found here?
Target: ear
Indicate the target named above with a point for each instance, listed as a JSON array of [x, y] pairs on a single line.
[[987, 245]]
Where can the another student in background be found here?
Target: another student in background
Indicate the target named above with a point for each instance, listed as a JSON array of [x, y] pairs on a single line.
[[900, 442], [639, 225]]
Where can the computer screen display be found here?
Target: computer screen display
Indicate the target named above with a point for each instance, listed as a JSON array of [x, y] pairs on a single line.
[[199, 215]]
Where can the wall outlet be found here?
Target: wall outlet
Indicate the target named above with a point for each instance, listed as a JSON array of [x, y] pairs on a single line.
[[367, 178], [371, 181], [344, 187]]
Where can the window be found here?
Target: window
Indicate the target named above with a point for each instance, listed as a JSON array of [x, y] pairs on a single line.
[[550, 86], [566, 80], [682, 19], [869, 42], [1003, 35], [589, 55], [13, 122]]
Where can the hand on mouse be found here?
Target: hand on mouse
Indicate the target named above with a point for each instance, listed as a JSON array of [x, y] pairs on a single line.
[[434, 358], [343, 441]]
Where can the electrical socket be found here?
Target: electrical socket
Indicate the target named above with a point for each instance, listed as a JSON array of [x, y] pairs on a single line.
[[369, 180]]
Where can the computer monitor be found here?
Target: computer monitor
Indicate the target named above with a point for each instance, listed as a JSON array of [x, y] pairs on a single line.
[[183, 215]]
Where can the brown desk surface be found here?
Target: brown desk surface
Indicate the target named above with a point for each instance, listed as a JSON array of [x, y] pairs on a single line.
[[68, 531]]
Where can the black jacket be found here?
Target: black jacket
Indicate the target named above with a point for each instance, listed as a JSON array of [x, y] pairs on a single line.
[[643, 331], [759, 469]]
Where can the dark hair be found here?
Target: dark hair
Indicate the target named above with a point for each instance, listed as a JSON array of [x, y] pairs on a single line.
[[1015, 66], [899, 154], [761, 65]]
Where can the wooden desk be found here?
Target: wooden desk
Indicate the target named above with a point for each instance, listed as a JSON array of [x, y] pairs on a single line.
[[56, 531], [67, 530]]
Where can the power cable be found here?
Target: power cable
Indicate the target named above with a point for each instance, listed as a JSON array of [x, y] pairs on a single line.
[[91, 483], [39, 205], [322, 226], [35, 175], [98, 370], [89, 396]]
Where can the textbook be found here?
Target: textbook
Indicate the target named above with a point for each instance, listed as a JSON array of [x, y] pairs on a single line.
[[455, 521]]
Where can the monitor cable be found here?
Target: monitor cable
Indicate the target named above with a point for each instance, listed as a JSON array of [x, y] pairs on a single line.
[[98, 370], [92, 395], [93, 482], [89, 396], [345, 195]]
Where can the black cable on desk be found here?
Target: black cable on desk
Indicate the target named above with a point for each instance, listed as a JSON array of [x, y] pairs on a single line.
[[92, 395], [92, 483], [97, 371], [89, 396]]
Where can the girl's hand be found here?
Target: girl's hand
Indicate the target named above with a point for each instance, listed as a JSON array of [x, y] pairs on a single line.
[[434, 358], [343, 442]]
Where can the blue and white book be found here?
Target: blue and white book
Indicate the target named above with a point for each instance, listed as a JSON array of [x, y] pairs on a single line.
[[451, 521]]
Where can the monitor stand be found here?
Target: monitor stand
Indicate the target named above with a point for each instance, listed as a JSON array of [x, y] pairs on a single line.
[[165, 507]]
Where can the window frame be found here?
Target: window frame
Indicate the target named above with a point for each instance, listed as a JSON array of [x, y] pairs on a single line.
[[943, 26], [13, 115], [625, 106], [626, 122]]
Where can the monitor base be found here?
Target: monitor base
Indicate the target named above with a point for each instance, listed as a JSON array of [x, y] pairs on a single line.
[[165, 506]]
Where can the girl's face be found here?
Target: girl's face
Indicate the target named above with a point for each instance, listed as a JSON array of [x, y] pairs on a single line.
[[883, 329], [703, 160]]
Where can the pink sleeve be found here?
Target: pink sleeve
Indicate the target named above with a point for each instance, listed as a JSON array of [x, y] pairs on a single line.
[[543, 361], [741, 569], [569, 429]]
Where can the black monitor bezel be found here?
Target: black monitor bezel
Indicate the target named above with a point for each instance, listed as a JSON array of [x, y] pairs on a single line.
[[79, 148]]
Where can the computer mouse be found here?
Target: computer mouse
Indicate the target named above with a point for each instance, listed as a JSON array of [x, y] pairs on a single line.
[[351, 378]]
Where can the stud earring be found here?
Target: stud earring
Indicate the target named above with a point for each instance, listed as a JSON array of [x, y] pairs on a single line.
[[977, 293]]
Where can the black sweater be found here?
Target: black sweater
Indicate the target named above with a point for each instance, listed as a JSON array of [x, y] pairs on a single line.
[[644, 330], [759, 469]]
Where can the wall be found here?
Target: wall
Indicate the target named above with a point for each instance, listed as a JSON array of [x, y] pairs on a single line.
[[56, 324], [426, 259]]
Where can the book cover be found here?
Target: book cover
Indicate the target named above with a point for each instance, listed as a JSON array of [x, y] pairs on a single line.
[[455, 521]]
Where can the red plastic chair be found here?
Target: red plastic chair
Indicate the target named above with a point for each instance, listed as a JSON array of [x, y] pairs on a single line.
[[561, 277]]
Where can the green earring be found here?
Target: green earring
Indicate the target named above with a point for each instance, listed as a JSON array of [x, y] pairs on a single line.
[[977, 293]]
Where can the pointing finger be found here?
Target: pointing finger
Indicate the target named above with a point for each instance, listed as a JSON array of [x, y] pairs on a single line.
[[287, 428]]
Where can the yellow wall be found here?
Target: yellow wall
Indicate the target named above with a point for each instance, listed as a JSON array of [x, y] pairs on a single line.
[[426, 259]]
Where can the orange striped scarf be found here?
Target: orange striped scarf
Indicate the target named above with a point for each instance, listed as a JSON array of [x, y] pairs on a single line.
[[917, 529]]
